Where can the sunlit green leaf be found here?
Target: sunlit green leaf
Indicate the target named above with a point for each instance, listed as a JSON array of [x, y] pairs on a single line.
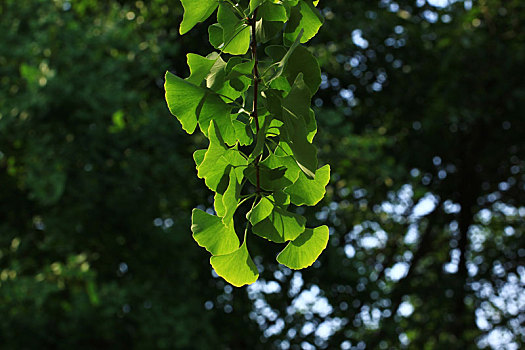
[[216, 36], [183, 99], [218, 205], [267, 30], [231, 197], [309, 192], [218, 160], [198, 156], [229, 79], [199, 67], [299, 60], [254, 4], [196, 11], [305, 249], [281, 64], [236, 32], [304, 17], [296, 118], [210, 232], [194, 105], [290, 172], [270, 11], [280, 226], [236, 267], [243, 133], [261, 211]]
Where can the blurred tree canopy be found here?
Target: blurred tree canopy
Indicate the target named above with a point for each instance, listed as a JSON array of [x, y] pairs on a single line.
[[421, 116]]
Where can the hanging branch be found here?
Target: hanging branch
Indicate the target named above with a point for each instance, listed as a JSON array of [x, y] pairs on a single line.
[[253, 22], [213, 98]]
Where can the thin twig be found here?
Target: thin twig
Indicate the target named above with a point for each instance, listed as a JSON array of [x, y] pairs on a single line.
[[255, 93]]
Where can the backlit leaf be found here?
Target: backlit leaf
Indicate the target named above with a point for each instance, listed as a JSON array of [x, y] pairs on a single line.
[[305, 249], [236, 267], [198, 156], [296, 118], [261, 211], [218, 160], [280, 226], [309, 192], [194, 105], [270, 11], [231, 197], [254, 4], [304, 17], [196, 11], [210, 233], [199, 67], [236, 33]]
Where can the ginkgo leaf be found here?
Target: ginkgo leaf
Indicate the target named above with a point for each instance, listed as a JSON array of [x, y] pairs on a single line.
[[218, 82], [243, 133], [261, 211], [216, 36], [254, 4], [194, 105], [280, 226], [305, 154], [218, 160], [231, 197], [309, 192], [199, 67], [237, 267], [269, 179], [305, 249], [289, 176], [214, 108], [298, 60], [281, 64], [183, 99], [196, 11], [296, 102], [303, 17], [210, 233], [266, 30], [302, 61], [217, 77], [198, 156], [229, 79], [236, 70], [235, 31], [296, 118], [218, 205], [270, 11]]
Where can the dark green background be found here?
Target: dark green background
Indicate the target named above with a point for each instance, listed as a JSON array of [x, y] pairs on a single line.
[[418, 104]]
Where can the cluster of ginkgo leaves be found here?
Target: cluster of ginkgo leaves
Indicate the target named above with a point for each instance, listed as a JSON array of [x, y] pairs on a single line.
[[253, 104]]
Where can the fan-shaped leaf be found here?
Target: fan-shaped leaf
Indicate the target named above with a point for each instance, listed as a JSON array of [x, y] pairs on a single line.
[[309, 192], [303, 17], [305, 249], [236, 267], [261, 211], [280, 226], [210, 233], [196, 11]]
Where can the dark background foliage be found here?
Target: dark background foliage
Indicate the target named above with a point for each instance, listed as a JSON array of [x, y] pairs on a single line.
[[421, 116]]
